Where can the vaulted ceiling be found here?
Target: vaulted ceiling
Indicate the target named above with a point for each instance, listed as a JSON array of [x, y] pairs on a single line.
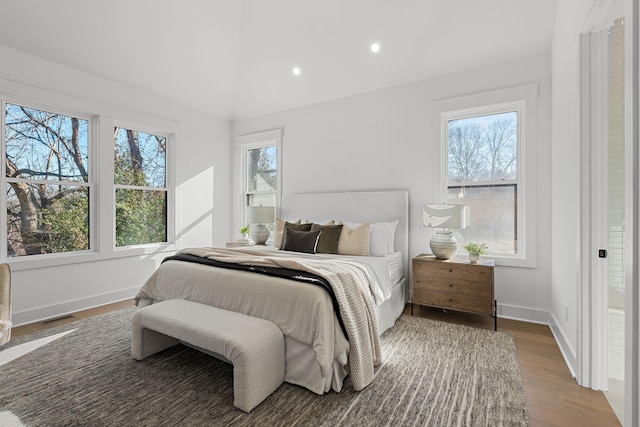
[[234, 58]]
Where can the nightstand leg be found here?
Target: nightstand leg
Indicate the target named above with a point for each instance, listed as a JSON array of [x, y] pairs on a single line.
[[495, 315]]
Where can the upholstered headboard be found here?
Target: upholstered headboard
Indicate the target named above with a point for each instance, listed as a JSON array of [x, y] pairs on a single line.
[[361, 206]]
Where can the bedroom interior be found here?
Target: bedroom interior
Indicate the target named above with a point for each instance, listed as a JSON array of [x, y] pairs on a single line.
[[350, 121]]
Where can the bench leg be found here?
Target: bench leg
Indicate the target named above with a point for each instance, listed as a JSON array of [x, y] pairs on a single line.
[[145, 342], [257, 374]]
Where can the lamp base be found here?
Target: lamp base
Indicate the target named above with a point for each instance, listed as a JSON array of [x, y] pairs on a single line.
[[259, 234], [443, 244]]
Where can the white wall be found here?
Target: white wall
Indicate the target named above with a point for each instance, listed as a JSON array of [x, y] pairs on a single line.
[[565, 171], [390, 139], [202, 178]]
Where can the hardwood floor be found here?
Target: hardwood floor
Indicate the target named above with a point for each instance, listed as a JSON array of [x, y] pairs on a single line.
[[38, 326], [553, 396]]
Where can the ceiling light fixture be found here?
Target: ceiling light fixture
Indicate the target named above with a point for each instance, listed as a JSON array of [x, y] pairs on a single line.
[[296, 71], [375, 47]]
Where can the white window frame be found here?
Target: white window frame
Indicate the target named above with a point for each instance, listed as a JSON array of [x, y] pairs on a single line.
[[101, 173], [253, 141], [522, 100], [91, 168], [169, 184]]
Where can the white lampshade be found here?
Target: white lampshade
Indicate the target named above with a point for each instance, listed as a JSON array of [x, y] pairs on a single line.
[[260, 214], [445, 216]]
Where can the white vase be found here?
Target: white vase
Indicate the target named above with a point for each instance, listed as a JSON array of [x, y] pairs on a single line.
[[474, 258], [443, 244], [260, 234]]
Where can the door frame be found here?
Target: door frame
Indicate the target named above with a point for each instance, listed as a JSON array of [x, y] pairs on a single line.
[[593, 299]]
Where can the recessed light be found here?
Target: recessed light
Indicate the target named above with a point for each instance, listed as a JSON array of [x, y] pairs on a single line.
[[296, 71], [375, 47]]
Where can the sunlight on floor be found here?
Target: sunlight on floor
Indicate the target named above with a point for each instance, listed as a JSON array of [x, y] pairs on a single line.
[[11, 353], [7, 419]]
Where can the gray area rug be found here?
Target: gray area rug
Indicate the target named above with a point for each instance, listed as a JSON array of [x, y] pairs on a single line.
[[433, 374]]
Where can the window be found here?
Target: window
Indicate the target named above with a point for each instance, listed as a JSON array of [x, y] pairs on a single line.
[[80, 185], [262, 176], [47, 181], [484, 171], [140, 180], [261, 171]]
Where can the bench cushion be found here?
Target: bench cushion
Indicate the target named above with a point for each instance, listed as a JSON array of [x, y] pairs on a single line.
[[254, 346]]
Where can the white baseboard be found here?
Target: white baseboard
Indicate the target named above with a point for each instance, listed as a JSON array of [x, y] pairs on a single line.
[[568, 353], [525, 314], [62, 309], [546, 318]]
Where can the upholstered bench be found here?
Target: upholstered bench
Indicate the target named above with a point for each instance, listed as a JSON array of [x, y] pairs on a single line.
[[254, 346]]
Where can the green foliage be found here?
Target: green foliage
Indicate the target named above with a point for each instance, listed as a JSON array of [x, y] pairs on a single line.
[[63, 225], [476, 248], [71, 223], [125, 173], [245, 229], [140, 217]]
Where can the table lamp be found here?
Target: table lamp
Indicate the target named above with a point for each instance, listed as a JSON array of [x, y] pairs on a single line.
[[443, 244], [258, 215]]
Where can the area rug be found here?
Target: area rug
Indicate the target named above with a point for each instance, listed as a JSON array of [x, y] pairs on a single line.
[[433, 374]]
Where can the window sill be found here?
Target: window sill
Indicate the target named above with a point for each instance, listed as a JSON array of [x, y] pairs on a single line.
[[53, 260], [506, 261]]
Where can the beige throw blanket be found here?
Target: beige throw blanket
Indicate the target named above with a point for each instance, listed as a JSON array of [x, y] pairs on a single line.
[[350, 284]]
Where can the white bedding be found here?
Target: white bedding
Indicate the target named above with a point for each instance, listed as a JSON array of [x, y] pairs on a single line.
[[304, 313], [385, 272]]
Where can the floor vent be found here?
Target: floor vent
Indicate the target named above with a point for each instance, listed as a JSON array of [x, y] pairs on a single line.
[[56, 319]]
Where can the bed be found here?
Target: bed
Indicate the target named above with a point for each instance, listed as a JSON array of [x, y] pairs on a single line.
[[319, 355]]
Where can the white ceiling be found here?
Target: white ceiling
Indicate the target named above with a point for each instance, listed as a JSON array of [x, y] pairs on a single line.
[[233, 58]]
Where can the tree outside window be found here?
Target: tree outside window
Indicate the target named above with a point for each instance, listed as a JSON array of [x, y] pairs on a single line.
[[47, 181], [140, 185]]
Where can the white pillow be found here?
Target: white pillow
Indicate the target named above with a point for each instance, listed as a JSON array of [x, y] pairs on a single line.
[[377, 242], [354, 240], [391, 238], [382, 237]]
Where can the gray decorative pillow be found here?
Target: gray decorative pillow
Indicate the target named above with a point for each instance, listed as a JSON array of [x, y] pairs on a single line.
[[329, 238], [301, 241], [293, 226]]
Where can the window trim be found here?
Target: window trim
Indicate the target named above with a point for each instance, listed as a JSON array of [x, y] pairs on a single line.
[[523, 100], [100, 157], [259, 140], [91, 175], [169, 186]]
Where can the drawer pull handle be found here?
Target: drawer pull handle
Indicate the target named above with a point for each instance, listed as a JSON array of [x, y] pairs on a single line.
[[450, 299], [450, 285], [450, 271]]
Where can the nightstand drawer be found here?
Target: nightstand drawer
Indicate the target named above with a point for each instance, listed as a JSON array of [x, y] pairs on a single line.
[[479, 273], [454, 284], [466, 287], [453, 301]]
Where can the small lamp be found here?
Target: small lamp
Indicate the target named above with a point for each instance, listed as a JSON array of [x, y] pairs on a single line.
[[443, 244], [257, 215]]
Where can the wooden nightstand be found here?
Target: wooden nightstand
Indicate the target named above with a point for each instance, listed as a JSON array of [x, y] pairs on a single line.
[[454, 284]]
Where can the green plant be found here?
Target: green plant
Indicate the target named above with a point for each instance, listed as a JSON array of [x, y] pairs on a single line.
[[476, 248], [245, 229]]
